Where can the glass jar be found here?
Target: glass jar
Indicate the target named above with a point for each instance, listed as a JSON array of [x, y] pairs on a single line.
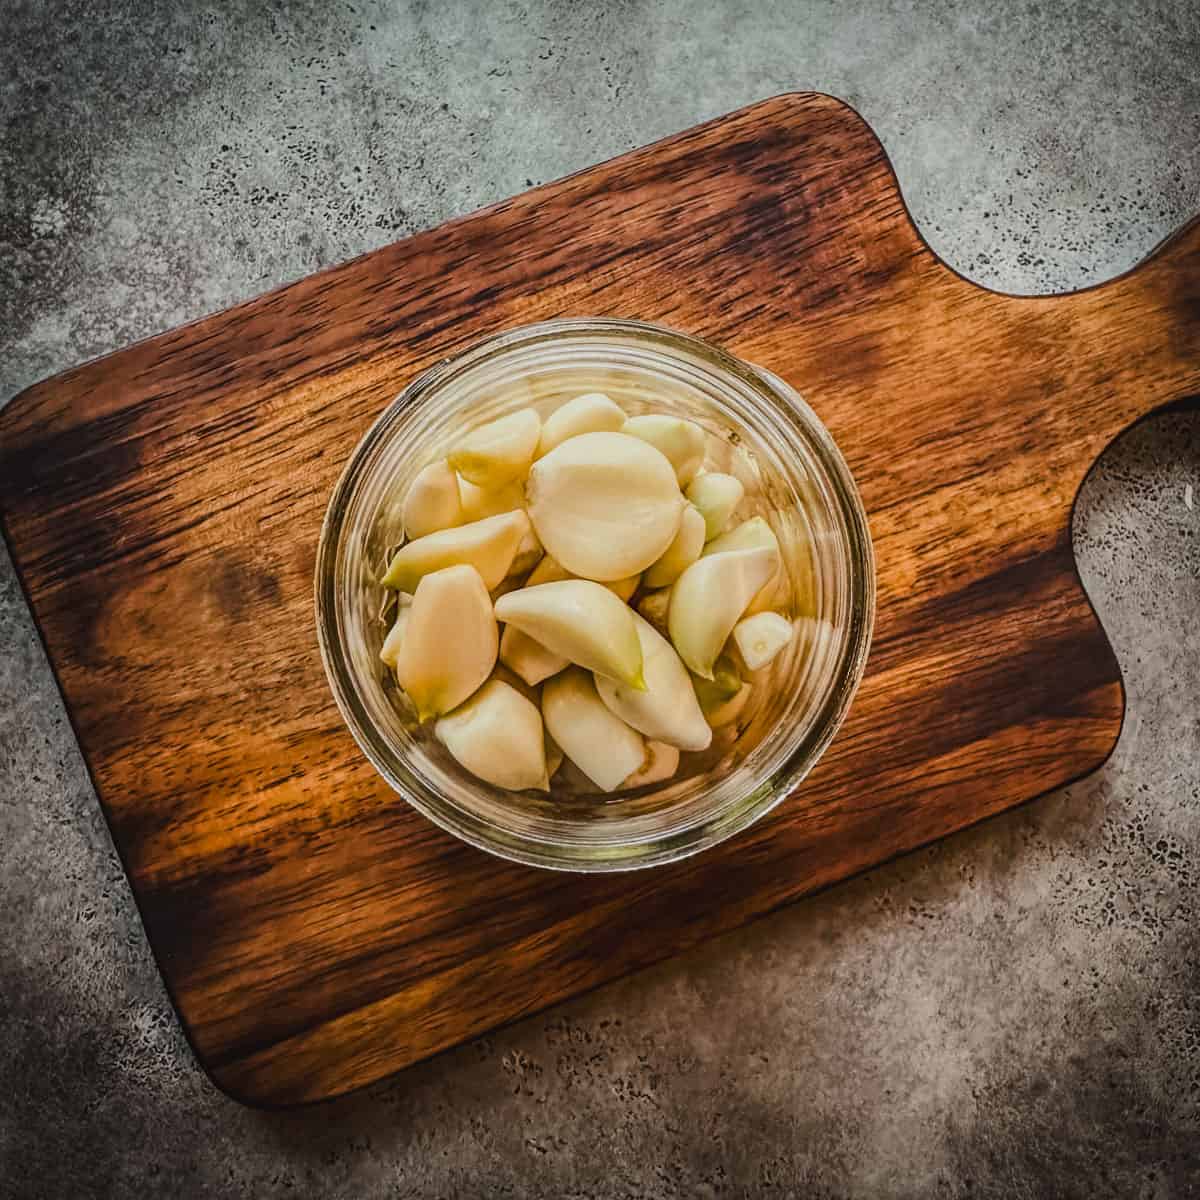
[[796, 479]]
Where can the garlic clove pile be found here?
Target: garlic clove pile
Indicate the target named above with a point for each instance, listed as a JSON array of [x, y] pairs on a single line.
[[565, 522]]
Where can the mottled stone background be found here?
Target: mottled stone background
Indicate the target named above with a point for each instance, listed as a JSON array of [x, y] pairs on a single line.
[[1012, 1013]]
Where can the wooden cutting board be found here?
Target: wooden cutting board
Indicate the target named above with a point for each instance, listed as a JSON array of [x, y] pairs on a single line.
[[163, 506]]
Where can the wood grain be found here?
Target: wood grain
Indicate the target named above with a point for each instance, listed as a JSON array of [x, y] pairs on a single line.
[[163, 504]]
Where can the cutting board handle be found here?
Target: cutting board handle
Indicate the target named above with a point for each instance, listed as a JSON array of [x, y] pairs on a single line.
[[1148, 323]]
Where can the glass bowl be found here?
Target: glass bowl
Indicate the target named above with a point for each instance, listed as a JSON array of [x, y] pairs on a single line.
[[760, 428]]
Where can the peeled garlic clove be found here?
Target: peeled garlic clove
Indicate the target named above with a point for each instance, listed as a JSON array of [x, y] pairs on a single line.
[[716, 496], [390, 651], [748, 535], [510, 583], [548, 570], [708, 600], [681, 553], [432, 502], [450, 642], [654, 607], [760, 637], [499, 451], [597, 741], [729, 710], [662, 761], [682, 442], [477, 502], [593, 413], [772, 595], [624, 588], [581, 621], [514, 681], [794, 590], [527, 657], [488, 545], [606, 505], [529, 553], [666, 709], [554, 757], [497, 736]]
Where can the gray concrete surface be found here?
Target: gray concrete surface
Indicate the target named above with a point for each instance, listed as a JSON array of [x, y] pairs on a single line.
[[1012, 1013]]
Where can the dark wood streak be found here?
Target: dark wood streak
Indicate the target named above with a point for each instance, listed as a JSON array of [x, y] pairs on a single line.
[[163, 506]]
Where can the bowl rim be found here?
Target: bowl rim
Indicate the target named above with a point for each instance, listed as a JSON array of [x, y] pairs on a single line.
[[785, 404]]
